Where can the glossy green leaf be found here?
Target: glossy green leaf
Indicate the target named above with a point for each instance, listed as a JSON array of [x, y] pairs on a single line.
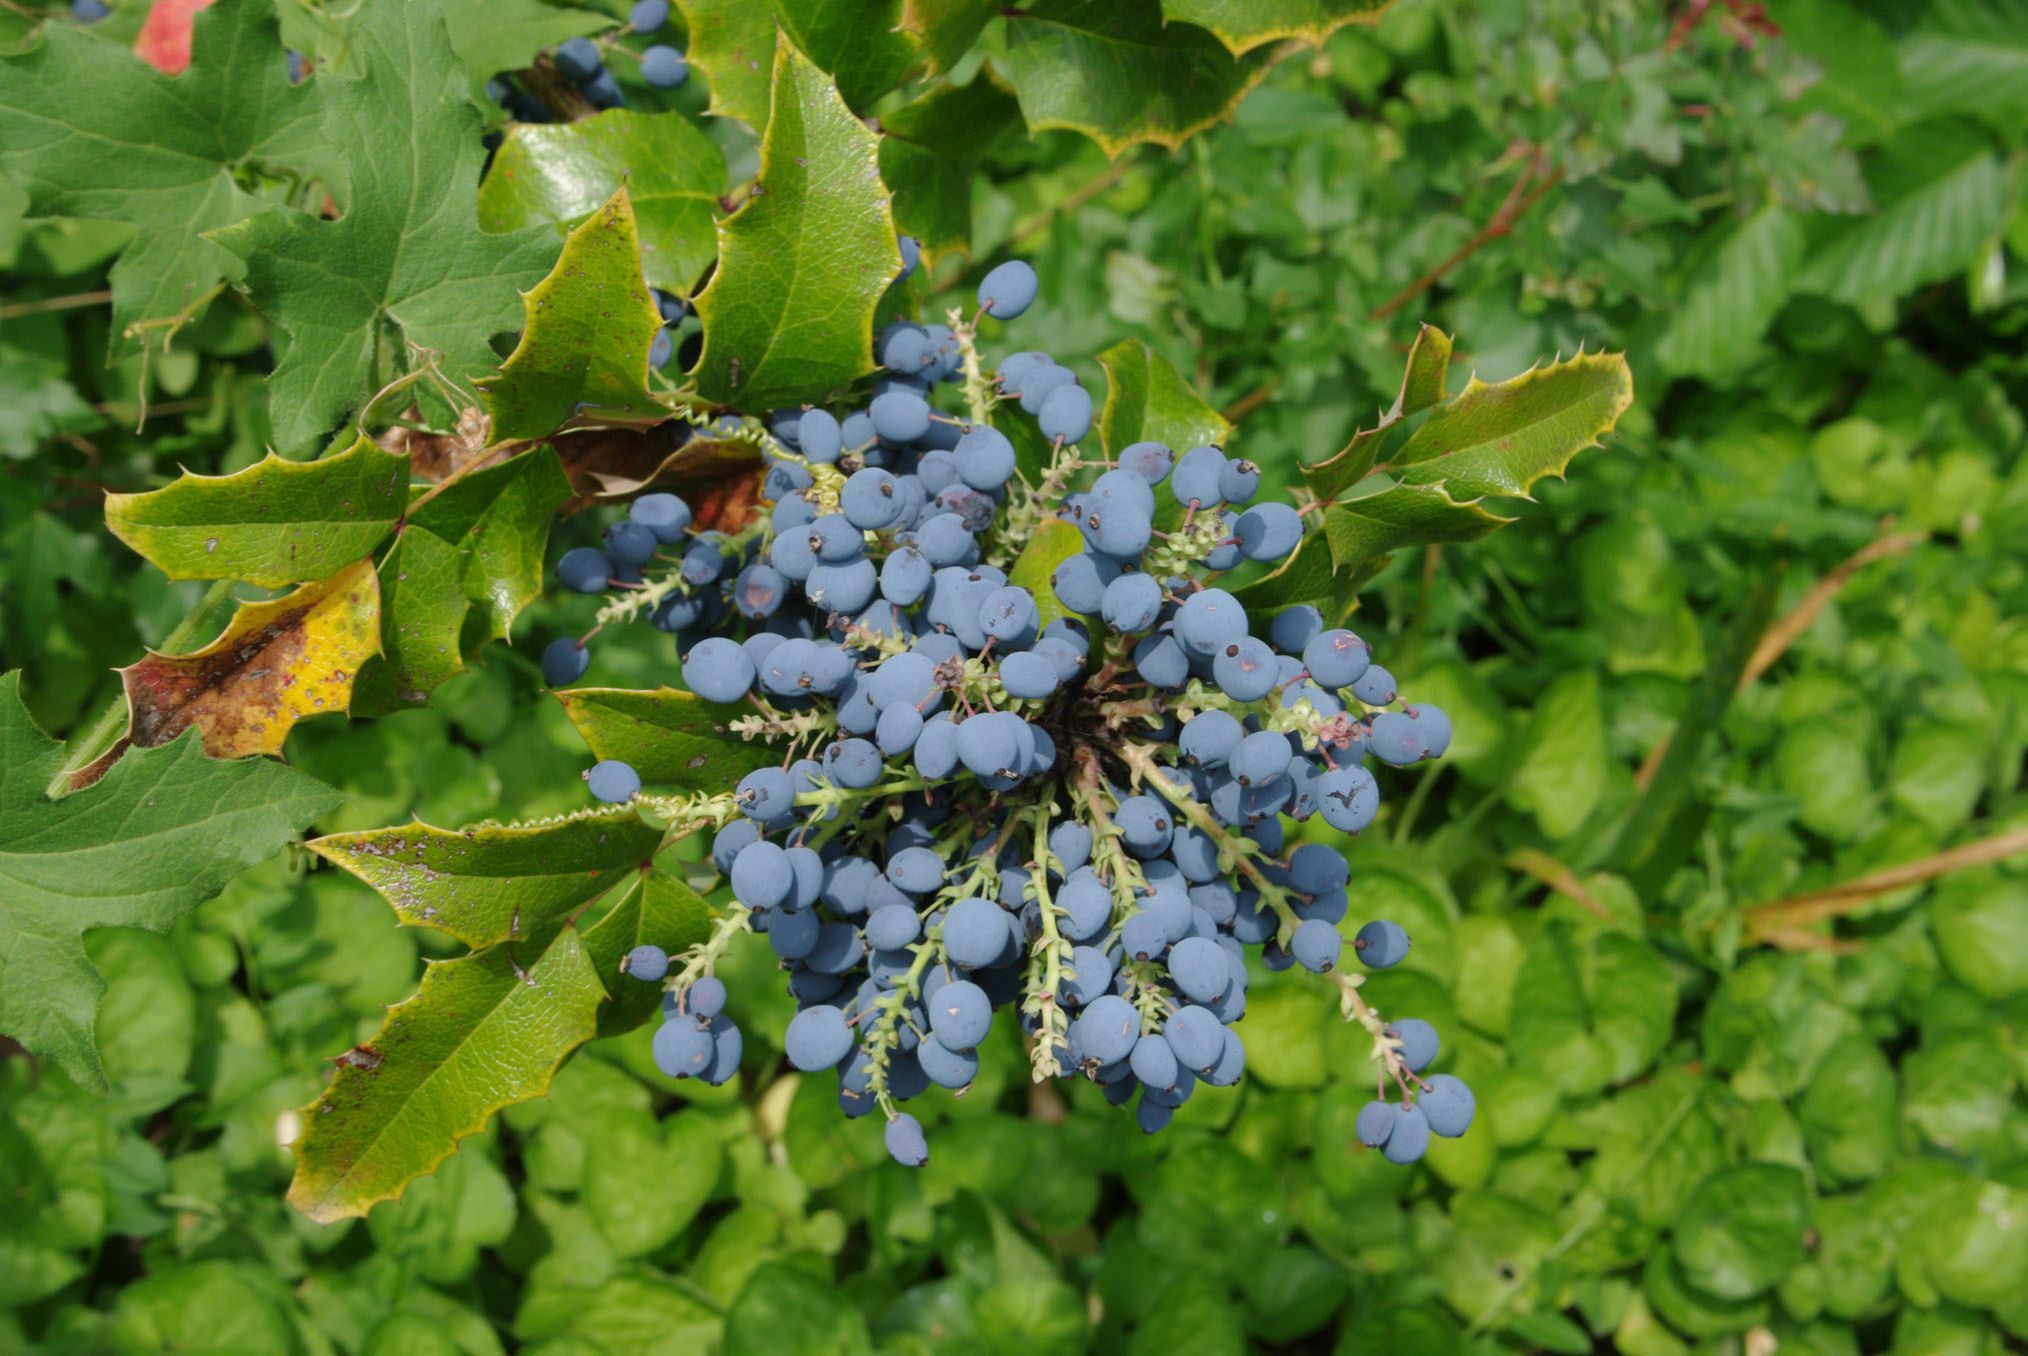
[[1053, 543], [560, 173], [672, 738], [275, 523], [96, 859], [860, 44], [930, 154], [1117, 72], [583, 355], [397, 256], [1423, 384], [482, 1032], [1243, 25], [733, 43], [788, 316], [947, 28], [167, 156], [1500, 438], [499, 520], [654, 908], [492, 36], [494, 883], [1742, 1229], [1147, 400], [422, 615]]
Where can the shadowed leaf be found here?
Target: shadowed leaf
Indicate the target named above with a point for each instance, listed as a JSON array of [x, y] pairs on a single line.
[[498, 520], [1147, 400], [671, 737], [422, 613], [654, 908]]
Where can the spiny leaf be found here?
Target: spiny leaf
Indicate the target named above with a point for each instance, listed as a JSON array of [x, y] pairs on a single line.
[[1500, 438], [671, 737], [277, 522], [583, 355], [1147, 400], [95, 859], [1423, 381], [1243, 25], [733, 43], [499, 520], [406, 252], [170, 156], [1117, 72], [422, 613], [858, 43], [655, 909], [276, 663], [788, 316], [947, 28], [482, 1032], [491, 36], [930, 154], [560, 173]]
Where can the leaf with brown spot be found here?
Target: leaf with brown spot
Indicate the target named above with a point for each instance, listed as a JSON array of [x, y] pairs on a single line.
[[279, 662], [720, 478]]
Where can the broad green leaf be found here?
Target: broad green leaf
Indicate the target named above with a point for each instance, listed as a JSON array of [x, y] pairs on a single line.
[[491, 36], [784, 1308], [1499, 439], [1717, 324], [494, 883], [560, 173], [499, 519], [930, 154], [213, 1305], [1979, 920], [1053, 543], [788, 316], [401, 256], [653, 908], [583, 355], [1305, 577], [37, 402], [1599, 1008], [482, 1032], [275, 523], [1115, 71], [858, 43], [422, 614], [1742, 1229], [1562, 767], [1147, 400], [172, 157], [645, 1181], [96, 859], [671, 737], [1423, 380], [1971, 1242], [1243, 25], [1365, 528], [276, 663], [947, 28], [1966, 56], [733, 43], [1927, 234], [1848, 1112]]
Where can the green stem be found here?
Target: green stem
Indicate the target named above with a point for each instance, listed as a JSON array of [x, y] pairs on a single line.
[[89, 745]]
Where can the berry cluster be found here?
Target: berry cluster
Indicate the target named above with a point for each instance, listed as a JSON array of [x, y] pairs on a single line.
[[1058, 791], [582, 61]]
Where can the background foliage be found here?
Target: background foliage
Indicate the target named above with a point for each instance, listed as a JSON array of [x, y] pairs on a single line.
[[1768, 643]]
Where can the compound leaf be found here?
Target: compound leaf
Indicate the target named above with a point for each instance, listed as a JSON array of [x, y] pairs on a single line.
[[277, 522], [1117, 72], [493, 883], [482, 1032], [168, 155], [407, 254], [1243, 25], [583, 355], [669, 736], [788, 316], [95, 859], [560, 173], [733, 43]]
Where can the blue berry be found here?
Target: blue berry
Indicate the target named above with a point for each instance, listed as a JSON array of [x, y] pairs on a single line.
[[613, 781]]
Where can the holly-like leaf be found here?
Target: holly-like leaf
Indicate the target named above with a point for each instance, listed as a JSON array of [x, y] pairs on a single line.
[[1500, 438], [491, 36], [494, 883], [96, 859], [560, 173], [655, 909], [788, 316], [947, 28], [275, 523], [1053, 543], [406, 255], [859, 43], [91, 131], [671, 737], [1147, 400], [583, 355], [1423, 384], [1243, 25], [482, 1032], [1117, 72], [733, 43], [276, 663], [930, 154], [422, 616], [499, 521]]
